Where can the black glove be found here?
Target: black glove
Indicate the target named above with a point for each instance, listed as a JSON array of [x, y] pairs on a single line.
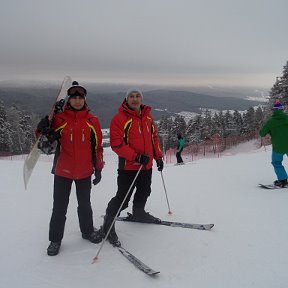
[[160, 164], [142, 159], [59, 106], [44, 125], [46, 146], [98, 177]]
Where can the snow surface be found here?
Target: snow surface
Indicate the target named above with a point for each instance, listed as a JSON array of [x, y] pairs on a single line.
[[246, 248]]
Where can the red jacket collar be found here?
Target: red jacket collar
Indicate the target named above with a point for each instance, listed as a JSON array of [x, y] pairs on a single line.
[[76, 113], [145, 110]]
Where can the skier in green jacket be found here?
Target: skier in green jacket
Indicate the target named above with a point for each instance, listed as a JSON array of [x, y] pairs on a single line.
[[277, 127], [180, 146]]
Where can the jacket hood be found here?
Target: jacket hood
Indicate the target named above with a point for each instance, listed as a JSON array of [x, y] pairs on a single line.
[[279, 114]]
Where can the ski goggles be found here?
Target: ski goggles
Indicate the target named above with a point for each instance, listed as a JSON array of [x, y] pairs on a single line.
[[77, 91]]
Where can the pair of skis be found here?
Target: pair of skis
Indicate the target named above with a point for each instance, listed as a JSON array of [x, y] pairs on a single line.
[[138, 263]]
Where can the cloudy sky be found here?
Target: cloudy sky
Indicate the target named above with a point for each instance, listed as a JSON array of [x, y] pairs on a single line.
[[186, 42]]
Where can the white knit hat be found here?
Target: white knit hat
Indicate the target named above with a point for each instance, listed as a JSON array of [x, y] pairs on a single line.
[[131, 90]]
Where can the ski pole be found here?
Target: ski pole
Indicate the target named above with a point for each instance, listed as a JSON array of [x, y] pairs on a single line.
[[119, 210], [169, 211]]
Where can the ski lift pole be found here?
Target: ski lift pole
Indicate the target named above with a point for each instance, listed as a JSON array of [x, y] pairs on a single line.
[[169, 211], [119, 210]]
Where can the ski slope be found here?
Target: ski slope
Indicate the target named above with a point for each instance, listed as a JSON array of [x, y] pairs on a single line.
[[246, 248]]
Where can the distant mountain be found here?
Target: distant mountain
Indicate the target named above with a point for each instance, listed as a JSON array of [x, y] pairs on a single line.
[[105, 103]]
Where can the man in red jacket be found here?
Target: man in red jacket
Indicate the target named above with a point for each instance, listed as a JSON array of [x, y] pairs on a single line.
[[133, 137], [78, 155]]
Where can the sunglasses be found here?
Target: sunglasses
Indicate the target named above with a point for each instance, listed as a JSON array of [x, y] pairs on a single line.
[[77, 91]]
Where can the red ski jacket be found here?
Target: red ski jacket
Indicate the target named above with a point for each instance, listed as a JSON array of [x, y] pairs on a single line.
[[79, 149], [132, 134]]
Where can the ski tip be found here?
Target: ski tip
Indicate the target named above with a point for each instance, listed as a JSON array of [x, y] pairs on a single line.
[[206, 227], [154, 273]]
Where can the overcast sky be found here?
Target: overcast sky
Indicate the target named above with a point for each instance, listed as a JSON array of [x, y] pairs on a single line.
[[145, 41]]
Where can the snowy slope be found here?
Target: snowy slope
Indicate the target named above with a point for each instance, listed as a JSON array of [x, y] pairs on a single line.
[[246, 248]]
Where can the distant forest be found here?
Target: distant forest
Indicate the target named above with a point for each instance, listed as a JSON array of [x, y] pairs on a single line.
[[18, 122], [205, 126]]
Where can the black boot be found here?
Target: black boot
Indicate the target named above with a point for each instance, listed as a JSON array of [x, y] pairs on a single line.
[[53, 248], [281, 183], [112, 237], [95, 237], [140, 215]]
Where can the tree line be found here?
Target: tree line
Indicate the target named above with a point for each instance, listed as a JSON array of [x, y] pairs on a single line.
[[205, 126], [16, 131], [17, 127]]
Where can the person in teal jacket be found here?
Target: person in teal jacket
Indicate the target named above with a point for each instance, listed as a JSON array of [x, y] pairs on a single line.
[[180, 146], [277, 127]]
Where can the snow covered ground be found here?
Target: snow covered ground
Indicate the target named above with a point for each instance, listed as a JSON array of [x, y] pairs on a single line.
[[246, 248]]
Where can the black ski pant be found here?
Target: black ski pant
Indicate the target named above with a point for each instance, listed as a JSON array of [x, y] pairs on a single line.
[[179, 158], [62, 190], [124, 181]]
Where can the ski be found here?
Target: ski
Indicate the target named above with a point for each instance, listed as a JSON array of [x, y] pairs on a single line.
[[270, 186], [129, 218], [35, 153], [136, 262]]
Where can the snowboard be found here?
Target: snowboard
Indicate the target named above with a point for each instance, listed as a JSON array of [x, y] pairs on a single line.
[[271, 186], [33, 156]]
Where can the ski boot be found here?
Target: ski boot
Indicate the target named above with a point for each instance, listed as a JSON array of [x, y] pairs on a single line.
[[112, 237], [53, 248], [281, 183], [95, 237], [140, 215]]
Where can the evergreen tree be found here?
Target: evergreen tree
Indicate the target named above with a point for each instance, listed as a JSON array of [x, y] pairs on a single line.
[[279, 91], [220, 124], [229, 124], [5, 139], [259, 118], [17, 137], [180, 125], [164, 132], [238, 122], [209, 128], [194, 129], [249, 121], [26, 128]]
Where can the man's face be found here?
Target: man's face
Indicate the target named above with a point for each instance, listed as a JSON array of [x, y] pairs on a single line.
[[134, 101]]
